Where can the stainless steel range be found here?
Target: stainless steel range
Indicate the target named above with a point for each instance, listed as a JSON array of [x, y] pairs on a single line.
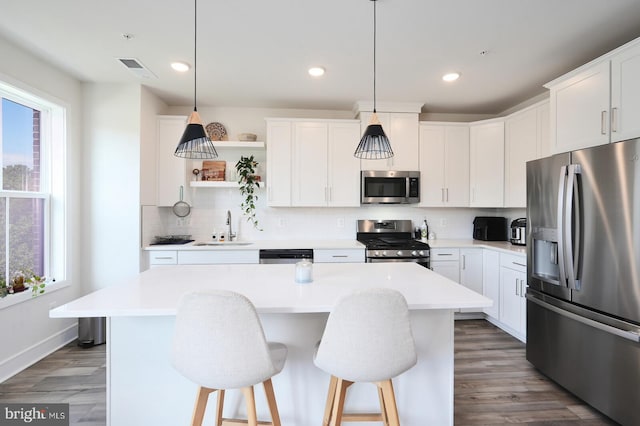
[[392, 241]]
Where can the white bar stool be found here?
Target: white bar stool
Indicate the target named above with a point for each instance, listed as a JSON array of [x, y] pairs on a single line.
[[219, 344], [367, 339]]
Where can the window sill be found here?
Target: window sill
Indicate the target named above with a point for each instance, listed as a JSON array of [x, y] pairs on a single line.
[[14, 299]]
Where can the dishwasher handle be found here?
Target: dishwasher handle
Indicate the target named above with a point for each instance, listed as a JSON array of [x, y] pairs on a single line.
[[285, 255]]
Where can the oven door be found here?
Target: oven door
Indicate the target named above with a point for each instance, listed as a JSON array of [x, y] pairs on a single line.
[[422, 261]]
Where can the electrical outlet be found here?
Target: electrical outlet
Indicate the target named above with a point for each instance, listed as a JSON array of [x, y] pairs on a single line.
[[443, 222], [340, 222]]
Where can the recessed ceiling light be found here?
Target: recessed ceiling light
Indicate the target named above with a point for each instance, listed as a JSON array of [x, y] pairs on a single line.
[[180, 66], [316, 71], [452, 76]]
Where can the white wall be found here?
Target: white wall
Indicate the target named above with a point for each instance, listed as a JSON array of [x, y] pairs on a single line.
[[111, 209], [28, 332]]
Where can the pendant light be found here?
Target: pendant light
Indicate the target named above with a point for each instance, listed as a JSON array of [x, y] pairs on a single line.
[[374, 144], [195, 143]]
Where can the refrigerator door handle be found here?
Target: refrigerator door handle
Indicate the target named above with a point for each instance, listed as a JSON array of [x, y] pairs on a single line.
[[561, 224], [571, 262], [629, 335]]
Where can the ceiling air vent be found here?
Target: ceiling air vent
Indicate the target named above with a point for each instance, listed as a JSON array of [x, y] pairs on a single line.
[[136, 67]]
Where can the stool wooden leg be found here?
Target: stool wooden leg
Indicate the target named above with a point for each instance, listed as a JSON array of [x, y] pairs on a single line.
[[390, 402], [271, 401], [383, 408], [251, 406], [219, 407], [331, 396], [338, 405], [200, 405]]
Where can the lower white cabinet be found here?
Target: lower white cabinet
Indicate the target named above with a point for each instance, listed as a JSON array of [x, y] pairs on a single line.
[[163, 257], [471, 272], [338, 256], [491, 281], [513, 287], [446, 262], [213, 257]]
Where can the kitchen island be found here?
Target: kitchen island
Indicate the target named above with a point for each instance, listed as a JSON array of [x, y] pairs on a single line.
[[143, 388]]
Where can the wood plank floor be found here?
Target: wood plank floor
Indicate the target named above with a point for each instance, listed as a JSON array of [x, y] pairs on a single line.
[[494, 384]]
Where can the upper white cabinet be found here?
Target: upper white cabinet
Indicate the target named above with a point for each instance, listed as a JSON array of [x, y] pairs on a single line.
[[279, 144], [171, 170], [526, 138], [402, 131], [444, 164], [598, 103], [486, 163], [310, 163]]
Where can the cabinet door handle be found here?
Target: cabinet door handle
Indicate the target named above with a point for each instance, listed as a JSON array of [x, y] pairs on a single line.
[[447, 195], [522, 288], [614, 119], [442, 194], [464, 263], [517, 285], [603, 122]]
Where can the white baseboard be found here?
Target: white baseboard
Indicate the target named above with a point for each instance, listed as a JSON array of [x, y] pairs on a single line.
[[12, 366]]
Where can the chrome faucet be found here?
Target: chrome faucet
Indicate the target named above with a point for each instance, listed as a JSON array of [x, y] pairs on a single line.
[[231, 234]]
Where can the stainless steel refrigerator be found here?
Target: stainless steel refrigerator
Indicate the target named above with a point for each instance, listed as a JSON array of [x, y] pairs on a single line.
[[583, 267]]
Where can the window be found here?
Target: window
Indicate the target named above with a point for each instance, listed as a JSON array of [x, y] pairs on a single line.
[[26, 136]]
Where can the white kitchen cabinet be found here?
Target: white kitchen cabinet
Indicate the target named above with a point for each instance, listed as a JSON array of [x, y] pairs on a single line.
[[212, 257], [580, 109], [171, 170], [491, 281], [163, 257], [486, 163], [471, 272], [597, 103], [279, 144], [402, 130], [513, 287], [446, 262], [625, 93], [338, 255], [524, 141], [310, 163], [444, 164]]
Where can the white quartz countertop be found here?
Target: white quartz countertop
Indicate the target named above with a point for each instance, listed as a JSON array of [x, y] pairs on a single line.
[[265, 245], [271, 288], [503, 246]]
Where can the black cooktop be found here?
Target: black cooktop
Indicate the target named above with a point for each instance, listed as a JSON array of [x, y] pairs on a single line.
[[378, 242]]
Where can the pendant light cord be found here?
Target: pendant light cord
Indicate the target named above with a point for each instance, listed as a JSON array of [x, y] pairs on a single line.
[[195, 54], [374, 55]]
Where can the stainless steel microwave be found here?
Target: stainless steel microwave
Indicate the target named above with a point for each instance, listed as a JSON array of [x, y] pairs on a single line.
[[389, 187]]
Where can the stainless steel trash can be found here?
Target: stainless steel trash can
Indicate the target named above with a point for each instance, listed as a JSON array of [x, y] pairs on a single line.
[[92, 331]]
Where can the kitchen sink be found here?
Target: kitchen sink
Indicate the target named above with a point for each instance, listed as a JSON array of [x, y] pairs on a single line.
[[224, 243]]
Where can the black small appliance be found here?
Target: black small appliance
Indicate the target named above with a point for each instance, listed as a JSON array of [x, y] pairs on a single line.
[[490, 228]]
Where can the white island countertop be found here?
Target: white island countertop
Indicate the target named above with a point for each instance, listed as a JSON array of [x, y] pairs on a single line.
[[271, 288], [346, 244]]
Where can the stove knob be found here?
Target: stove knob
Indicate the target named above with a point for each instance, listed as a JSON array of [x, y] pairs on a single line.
[[414, 253], [421, 252], [384, 253], [376, 253], [399, 253]]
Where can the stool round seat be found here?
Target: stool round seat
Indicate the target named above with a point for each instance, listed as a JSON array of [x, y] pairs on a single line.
[[219, 344]]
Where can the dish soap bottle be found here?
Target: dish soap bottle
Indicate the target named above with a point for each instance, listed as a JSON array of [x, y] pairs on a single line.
[[424, 230]]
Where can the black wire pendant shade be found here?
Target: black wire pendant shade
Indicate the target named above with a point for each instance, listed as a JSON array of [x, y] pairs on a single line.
[[374, 144], [195, 143]]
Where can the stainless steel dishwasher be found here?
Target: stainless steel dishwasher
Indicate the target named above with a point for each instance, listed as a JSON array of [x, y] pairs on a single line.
[[285, 255]]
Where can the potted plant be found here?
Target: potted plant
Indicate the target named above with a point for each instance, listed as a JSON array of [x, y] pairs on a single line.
[[248, 181]]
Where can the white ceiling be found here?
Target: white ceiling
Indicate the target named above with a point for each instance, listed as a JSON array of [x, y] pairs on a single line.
[[256, 53]]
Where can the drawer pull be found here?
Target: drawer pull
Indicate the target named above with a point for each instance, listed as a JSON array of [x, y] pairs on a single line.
[[444, 254], [164, 258], [519, 264], [339, 255]]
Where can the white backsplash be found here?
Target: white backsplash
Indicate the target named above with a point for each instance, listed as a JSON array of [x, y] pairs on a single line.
[[209, 213]]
